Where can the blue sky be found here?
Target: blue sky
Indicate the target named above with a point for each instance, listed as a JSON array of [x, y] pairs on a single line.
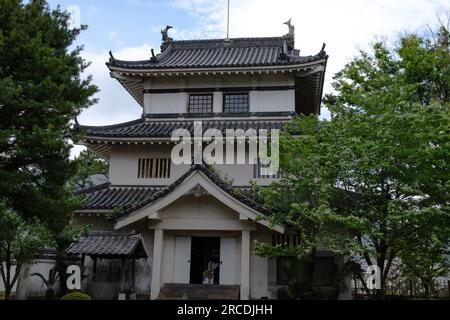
[[125, 23], [131, 28]]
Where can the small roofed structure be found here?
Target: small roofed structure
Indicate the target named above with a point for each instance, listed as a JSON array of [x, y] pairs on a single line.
[[111, 245]]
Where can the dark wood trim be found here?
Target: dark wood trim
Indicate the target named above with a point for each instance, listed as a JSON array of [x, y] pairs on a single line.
[[221, 115], [234, 92], [221, 89]]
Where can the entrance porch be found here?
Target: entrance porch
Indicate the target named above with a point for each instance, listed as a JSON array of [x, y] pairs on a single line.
[[201, 258], [201, 232]]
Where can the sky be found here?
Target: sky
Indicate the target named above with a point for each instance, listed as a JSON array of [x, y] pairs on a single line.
[[131, 28]]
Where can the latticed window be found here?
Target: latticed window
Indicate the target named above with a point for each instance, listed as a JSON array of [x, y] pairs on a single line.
[[154, 169], [200, 103], [235, 103]]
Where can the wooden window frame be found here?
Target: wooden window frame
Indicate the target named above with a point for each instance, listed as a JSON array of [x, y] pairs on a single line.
[[247, 94], [190, 108], [154, 168]]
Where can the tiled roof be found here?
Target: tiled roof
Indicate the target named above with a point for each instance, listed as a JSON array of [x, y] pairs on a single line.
[[164, 129], [130, 199], [107, 197], [218, 53], [214, 178], [109, 244]]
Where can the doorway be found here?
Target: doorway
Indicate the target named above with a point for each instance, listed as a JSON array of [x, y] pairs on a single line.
[[205, 260]]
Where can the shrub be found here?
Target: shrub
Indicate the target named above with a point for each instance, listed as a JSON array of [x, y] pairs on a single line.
[[76, 296]]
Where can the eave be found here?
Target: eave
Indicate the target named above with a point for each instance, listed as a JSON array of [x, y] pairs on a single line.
[[133, 79]]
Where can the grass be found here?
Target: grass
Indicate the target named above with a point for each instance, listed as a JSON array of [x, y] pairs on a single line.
[[2, 296]]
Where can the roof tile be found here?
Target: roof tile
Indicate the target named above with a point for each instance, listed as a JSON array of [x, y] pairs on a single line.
[[108, 244], [214, 53]]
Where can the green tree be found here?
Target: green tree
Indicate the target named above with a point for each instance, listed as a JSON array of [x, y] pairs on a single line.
[[379, 169], [306, 198], [89, 164], [428, 249], [41, 92], [20, 240]]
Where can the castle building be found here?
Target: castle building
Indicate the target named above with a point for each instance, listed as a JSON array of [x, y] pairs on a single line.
[[187, 230]]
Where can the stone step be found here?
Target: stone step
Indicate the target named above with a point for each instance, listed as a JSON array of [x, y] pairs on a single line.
[[173, 291]]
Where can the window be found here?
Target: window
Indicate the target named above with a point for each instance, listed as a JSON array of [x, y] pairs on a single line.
[[200, 103], [261, 171], [154, 169], [235, 103]]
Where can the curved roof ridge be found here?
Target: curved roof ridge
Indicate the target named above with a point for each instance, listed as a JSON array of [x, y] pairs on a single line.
[[251, 41], [112, 126], [179, 54]]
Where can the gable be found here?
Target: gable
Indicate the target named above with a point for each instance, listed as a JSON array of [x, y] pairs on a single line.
[[197, 180]]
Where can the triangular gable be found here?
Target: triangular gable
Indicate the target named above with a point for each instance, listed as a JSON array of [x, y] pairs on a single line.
[[195, 178]]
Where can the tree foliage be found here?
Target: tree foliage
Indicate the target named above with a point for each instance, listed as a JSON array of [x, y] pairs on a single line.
[[41, 92], [89, 165], [379, 169], [20, 240]]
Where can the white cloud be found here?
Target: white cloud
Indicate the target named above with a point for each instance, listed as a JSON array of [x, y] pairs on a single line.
[[115, 104]]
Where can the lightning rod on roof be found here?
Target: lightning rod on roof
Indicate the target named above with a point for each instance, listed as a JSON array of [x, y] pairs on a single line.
[[228, 20]]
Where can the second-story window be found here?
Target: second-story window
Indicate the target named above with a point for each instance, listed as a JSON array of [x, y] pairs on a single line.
[[235, 102], [154, 169], [200, 103]]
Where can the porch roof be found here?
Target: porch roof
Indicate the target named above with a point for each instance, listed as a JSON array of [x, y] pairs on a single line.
[[108, 197], [109, 245]]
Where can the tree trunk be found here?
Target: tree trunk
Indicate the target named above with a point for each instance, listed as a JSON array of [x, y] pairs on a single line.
[[309, 276], [61, 266], [7, 292], [427, 286]]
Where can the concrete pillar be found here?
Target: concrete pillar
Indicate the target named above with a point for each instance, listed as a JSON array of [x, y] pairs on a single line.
[[157, 264], [245, 265]]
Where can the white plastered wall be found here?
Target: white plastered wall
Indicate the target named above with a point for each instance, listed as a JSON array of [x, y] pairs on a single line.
[[124, 167], [260, 101]]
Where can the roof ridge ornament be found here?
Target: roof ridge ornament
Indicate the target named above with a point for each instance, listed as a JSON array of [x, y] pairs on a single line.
[[291, 27], [165, 38], [111, 57], [165, 34], [153, 58], [322, 52]]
